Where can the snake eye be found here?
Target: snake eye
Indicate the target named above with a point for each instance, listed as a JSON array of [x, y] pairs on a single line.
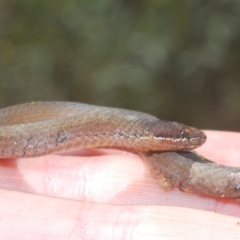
[[193, 135], [185, 132]]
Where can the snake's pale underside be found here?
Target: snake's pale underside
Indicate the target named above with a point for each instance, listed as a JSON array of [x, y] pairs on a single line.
[[40, 128]]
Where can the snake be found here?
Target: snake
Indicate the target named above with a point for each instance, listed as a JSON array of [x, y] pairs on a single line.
[[40, 128]]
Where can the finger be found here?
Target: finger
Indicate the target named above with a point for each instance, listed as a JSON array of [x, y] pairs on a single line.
[[222, 147], [117, 178], [28, 216], [103, 178]]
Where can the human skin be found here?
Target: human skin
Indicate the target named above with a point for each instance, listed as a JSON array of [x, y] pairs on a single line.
[[110, 194]]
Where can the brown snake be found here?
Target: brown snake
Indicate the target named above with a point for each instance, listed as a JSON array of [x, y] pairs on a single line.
[[35, 129]]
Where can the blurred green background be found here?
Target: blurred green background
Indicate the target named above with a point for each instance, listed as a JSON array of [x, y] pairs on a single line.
[[178, 60]]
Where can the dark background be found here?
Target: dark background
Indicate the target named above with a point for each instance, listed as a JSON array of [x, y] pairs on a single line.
[[179, 60]]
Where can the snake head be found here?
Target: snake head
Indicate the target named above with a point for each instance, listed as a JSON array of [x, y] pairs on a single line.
[[172, 136]]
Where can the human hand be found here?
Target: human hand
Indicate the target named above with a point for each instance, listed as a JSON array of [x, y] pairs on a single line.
[[105, 194]]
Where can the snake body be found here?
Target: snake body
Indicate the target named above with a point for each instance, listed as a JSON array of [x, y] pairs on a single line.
[[40, 128]]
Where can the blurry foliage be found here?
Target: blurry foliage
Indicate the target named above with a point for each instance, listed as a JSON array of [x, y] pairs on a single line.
[[178, 60]]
